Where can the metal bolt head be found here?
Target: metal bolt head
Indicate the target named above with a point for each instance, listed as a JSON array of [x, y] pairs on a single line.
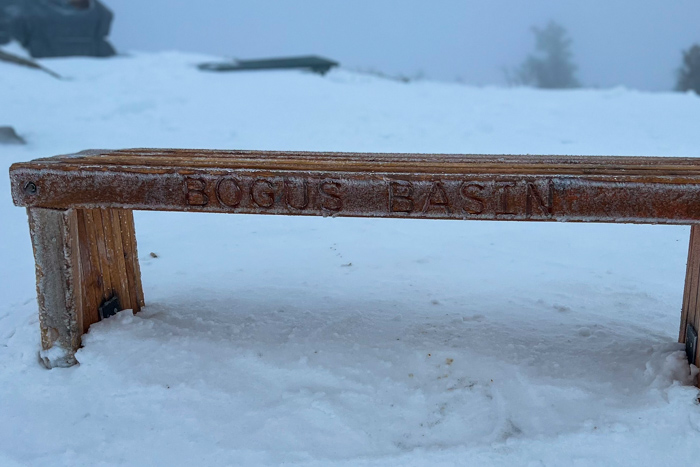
[[30, 188]]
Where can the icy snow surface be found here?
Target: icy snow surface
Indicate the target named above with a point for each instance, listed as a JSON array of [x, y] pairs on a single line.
[[353, 342]]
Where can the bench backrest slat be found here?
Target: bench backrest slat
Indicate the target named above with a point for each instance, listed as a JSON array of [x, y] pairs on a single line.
[[487, 187]]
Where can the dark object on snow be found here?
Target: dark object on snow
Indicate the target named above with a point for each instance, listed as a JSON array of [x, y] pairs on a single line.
[[110, 307], [9, 136], [689, 73], [11, 58], [308, 62], [58, 28]]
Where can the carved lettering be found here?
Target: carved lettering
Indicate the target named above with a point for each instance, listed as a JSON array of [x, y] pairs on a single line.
[[294, 201], [503, 190], [533, 192], [474, 203], [331, 198], [263, 193], [400, 196], [487, 199], [228, 192], [437, 198], [195, 191]]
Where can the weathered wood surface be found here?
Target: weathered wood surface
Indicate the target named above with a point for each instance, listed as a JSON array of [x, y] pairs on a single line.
[[83, 257], [108, 259], [55, 242], [537, 188], [690, 313]]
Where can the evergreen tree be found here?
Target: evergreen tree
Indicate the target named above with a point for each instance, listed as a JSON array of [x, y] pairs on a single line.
[[551, 66], [689, 73], [4, 22]]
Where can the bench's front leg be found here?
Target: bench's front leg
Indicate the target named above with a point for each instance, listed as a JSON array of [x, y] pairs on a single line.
[[55, 243], [83, 258]]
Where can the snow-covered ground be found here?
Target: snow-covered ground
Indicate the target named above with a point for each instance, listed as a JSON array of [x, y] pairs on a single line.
[[353, 342]]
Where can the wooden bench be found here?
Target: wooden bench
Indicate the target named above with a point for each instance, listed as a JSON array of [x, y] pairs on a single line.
[[80, 208]]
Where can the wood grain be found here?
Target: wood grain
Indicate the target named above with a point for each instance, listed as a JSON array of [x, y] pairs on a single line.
[[373, 162], [435, 186], [59, 292], [91, 279], [109, 252], [690, 313], [133, 271], [83, 258]]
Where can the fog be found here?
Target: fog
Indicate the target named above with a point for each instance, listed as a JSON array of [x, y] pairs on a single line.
[[635, 43]]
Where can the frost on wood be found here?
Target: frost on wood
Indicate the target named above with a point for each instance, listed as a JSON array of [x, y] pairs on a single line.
[[54, 240], [437, 186], [83, 257]]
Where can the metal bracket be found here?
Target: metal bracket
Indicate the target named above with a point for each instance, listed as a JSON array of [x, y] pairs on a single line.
[[691, 343], [110, 308]]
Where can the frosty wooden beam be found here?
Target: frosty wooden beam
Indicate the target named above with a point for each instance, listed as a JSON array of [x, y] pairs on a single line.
[[83, 258], [80, 206]]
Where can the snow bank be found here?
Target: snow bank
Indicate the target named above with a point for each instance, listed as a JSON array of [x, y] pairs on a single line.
[[314, 341]]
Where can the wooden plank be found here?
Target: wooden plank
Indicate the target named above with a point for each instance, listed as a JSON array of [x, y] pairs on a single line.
[[534, 198], [133, 270], [122, 288], [372, 162], [687, 289], [690, 313], [110, 262], [102, 254], [90, 276], [694, 299], [96, 279], [55, 242], [111, 248]]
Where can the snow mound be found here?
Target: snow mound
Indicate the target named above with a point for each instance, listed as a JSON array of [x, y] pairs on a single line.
[[308, 341]]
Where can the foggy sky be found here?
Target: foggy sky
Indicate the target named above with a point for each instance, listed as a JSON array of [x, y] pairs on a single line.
[[636, 43]]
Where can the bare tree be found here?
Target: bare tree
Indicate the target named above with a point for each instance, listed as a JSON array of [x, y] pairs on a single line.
[[551, 66], [689, 72]]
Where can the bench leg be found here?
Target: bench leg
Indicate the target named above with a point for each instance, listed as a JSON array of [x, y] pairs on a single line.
[[83, 258], [690, 313]]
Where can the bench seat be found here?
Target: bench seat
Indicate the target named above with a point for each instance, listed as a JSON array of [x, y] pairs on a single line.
[[80, 207], [537, 188]]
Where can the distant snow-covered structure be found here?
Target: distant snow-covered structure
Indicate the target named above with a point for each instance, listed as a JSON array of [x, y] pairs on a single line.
[[57, 28]]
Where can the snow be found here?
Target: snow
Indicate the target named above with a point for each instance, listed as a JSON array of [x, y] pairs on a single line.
[[353, 342]]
